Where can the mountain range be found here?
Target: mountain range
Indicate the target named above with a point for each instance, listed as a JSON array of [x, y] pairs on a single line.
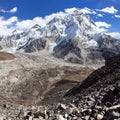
[[72, 36]]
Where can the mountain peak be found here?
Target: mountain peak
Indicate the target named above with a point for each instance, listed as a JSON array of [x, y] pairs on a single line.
[[73, 11], [17, 31], [36, 27]]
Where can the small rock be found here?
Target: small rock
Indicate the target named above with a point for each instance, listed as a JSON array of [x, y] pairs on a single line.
[[91, 118], [30, 118], [61, 106], [50, 113], [91, 98], [71, 105], [66, 115], [39, 114], [69, 110], [116, 114], [1, 118], [25, 113], [87, 117], [108, 104], [60, 117], [85, 112], [37, 119], [26, 117], [75, 110], [115, 107], [41, 118], [98, 108], [100, 117], [74, 118]]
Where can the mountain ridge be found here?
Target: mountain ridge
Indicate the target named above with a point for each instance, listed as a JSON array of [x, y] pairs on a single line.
[[70, 35]]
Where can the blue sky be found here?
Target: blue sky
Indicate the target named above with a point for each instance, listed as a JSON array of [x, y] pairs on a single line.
[[19, 13]]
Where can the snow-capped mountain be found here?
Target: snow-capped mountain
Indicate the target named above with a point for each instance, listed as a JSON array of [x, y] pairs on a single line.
[[70, 35], [63, 27]]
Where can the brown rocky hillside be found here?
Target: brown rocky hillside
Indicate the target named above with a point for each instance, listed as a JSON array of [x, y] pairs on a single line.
[[6, 56]]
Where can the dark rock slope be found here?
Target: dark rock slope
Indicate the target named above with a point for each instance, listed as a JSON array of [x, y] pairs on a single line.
[[99, 94], [101, 78]]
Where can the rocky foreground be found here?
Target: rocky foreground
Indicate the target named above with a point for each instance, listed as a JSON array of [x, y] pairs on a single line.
[[95, 98]]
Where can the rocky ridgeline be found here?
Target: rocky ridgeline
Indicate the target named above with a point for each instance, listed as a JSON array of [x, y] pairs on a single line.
[[99, 105]]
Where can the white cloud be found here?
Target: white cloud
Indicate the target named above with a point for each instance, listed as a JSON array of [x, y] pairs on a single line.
[[103, 24], [114, 34], [117, 16], [56, 15], [2, 10], [88, 11], [110, 10], [70, 10], [27, 24], [83, 10], [99, 15], [40, 21], [7, 26], [13, 10], [103, 29]]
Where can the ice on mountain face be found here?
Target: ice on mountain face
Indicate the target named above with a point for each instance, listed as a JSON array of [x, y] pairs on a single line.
[[35, 32], [61, 28], [71, 29], [22, 39], [51, 46], [67, 27], [89, 44], [18, 31], [13, 50]]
